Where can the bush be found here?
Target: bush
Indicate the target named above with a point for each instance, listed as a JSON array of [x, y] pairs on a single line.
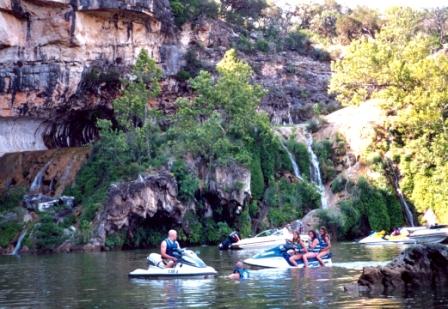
[[8, 231], [47, 234], [351, 219], [187, 181], [297, 41], [189, 10], [245, 45], [338, 184], [262, 45], [11, 198], [333, 220], [115, 241], [324, 152]]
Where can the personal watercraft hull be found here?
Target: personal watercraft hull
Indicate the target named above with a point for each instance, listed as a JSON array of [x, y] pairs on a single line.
[[180, 271], [277, 258], [280, 262]]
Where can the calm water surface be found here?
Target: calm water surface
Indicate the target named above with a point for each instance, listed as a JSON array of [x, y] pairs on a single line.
[[99, 280]]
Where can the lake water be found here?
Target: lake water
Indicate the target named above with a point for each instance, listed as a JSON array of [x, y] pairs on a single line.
[[99, 280]]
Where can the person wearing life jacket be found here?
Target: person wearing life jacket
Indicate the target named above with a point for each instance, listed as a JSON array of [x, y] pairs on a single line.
[[324, 243], [313, 247], [169, 249], [239, 272], [299, 248]]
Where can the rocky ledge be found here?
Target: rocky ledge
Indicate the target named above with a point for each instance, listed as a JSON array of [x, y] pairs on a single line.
[[420, 266]]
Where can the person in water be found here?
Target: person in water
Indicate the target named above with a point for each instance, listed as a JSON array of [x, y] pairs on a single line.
[[239, 272], [299, 248], [169, 248], [324, 243]]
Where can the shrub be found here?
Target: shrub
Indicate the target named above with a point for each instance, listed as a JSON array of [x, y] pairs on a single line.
[[244, 222], [187, 181], [245, 45], [47, 234], [262, 45], [338, 184], [351, 219], [333, 220], [8, 231], [11, 198], [297, 41], [115, 240]]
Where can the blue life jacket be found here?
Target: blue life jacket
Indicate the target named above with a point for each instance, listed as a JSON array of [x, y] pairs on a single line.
[[322, 243], [172, 247], [244, 274], [317, 248]]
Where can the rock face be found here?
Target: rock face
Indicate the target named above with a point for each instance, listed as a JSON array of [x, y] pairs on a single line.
[[153, 199], [145, 197], [420, 266], [60, 55], [48, 172]]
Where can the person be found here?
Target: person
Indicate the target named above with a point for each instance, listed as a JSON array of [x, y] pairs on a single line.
[[324, 243], [169, 249], [239, 272], [299, 248], [313, 247], [231, 239]]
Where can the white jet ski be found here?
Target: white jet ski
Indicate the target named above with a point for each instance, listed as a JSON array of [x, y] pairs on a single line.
[[189, 265], [277, 257]]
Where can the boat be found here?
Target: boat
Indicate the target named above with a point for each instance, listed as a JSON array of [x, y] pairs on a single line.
[[189, 265], [408, 235], [434, 234], [268, 238], [277, 257], [380, 238]]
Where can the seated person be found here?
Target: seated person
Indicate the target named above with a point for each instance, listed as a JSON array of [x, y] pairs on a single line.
[[239, 272], [299, 248], [313, 247], [169, 249]]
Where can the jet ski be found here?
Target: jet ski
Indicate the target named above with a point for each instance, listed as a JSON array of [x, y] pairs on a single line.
[[188, 265], [278, 257]]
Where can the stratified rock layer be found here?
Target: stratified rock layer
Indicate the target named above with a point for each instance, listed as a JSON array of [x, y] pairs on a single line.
[[61, 55]]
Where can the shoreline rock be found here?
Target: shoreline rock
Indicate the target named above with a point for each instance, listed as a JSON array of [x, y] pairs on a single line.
[[416, 267]]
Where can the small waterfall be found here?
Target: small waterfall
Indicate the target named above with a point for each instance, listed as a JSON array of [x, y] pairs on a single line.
[[295, 167], [316, 177], [19, 243], [407, 209], [396, 184], [37, 181]]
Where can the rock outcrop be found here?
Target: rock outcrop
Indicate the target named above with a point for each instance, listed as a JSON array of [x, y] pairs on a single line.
[[146, 197], [420, 266]]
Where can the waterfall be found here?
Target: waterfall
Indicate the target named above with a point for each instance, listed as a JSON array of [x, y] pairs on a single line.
[[19, 243], [295, 167], [396, 184], [316, 177], [37, 181], [407, 209]]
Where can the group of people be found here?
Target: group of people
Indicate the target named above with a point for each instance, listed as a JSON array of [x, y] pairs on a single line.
[[319, 245]]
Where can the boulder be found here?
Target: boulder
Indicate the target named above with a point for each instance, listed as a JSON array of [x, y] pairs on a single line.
[[420, 266]]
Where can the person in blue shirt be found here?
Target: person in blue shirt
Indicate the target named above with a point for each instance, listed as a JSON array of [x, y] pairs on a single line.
[[169, 249], [239, 272], [299, 249]]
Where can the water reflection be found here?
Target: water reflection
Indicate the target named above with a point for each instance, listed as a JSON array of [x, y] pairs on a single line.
[[100, 280]]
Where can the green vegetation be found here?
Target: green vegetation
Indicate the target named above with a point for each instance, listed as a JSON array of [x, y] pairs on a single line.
[[47, 234], [325, 153], [301, 156], [189, 10], [403, 67], [369, 208]]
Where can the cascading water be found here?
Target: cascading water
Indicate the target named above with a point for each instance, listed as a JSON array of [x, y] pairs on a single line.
[[295, 167], [407, 209], [19, 243], [316, 177], [395, 173], [37, 181]]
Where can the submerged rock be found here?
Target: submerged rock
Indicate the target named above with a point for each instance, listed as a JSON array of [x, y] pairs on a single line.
[[416, 267]]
